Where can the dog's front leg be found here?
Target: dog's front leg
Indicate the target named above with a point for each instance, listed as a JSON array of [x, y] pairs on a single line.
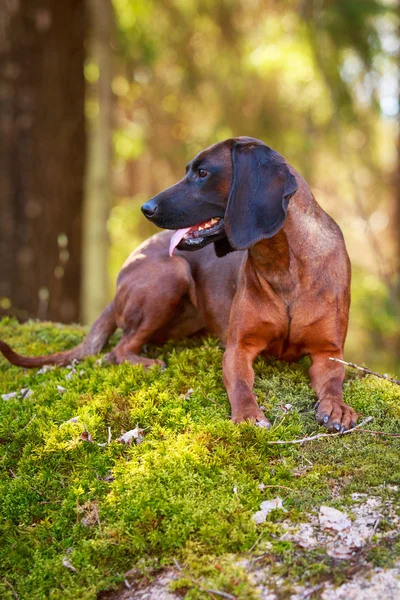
[[327, 378], [238, 374]]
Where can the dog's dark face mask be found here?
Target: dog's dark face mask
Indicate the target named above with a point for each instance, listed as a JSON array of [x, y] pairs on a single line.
[[234, 194]]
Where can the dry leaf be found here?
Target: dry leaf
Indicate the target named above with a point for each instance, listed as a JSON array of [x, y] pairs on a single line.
[[90, 514], [133, 434], [266, 507], [73, 420], [86, 437], [67, 563], [108, 477]]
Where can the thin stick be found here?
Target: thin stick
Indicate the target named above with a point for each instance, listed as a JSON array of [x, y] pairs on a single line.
[[393, 435], [14, 593], [284, 487], [274, 426], [108, 442], [29, 422], [32, 488], [366, 371], [323, 435], [222, 594], [256, 542], [96, 513], [316, 588]]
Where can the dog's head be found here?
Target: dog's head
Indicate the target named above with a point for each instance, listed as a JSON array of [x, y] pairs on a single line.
[[234, 194]]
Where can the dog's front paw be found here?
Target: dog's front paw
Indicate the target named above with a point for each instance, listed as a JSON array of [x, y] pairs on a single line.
[[251, 412], [335, 415]]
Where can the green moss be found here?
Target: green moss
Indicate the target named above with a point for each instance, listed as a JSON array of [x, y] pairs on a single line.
[[189, 490]]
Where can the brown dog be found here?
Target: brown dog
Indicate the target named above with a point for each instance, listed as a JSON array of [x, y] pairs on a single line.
[[287, 294]]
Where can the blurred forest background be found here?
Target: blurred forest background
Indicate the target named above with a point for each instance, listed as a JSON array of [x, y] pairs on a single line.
[[102, 103]]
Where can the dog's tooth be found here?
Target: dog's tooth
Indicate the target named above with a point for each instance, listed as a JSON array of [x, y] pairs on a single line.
[[200, 228]]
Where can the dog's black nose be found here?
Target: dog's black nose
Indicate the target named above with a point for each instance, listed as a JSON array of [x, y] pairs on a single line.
[[149, 209]]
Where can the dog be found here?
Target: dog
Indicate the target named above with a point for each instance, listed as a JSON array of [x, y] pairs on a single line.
[[253, 260]]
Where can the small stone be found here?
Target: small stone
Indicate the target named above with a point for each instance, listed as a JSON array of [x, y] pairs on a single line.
[[9, 396], [44, 369]]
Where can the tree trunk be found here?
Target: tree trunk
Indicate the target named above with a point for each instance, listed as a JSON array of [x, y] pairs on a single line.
[[99, 164], [42, 157]]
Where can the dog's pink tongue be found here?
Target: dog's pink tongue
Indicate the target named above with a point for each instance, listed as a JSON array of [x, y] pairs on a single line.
[[176, 238]]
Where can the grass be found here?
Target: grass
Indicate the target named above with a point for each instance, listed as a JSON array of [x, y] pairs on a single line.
[[188, 492]]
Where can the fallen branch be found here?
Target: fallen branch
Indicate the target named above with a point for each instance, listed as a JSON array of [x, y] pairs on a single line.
[[366, 371], [325, 435]]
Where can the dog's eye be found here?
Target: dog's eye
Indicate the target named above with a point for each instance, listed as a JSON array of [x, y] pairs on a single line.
[[203, 173]]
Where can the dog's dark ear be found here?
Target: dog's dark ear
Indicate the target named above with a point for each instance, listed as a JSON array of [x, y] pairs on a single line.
[[259, 195]]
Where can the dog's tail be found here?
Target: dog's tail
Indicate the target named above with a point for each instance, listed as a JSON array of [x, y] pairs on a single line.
[[92, 344]]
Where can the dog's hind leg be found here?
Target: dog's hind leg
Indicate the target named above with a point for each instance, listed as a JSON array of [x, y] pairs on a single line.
[[129, 348], [155, 300]]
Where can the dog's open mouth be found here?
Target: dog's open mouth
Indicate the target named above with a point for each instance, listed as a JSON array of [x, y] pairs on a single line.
[[191, 238]]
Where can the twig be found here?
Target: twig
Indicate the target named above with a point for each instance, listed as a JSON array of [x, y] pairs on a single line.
[[96, 513], [256, 542], [375, 527], [222, 594], [275, 426], [366, 370], [310, 592], [284, 487], [323, 435], [29, 422], [32, 488], [211, 593], [394, 435], [14, 593], [108, 442]]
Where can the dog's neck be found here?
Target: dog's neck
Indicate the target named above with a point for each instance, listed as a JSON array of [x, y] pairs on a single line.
[[271, 255], [274, 265]]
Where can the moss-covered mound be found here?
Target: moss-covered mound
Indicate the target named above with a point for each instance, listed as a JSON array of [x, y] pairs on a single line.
[[76, 515]]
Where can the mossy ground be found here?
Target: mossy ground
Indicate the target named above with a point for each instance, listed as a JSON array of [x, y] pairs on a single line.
[[190, 489]]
